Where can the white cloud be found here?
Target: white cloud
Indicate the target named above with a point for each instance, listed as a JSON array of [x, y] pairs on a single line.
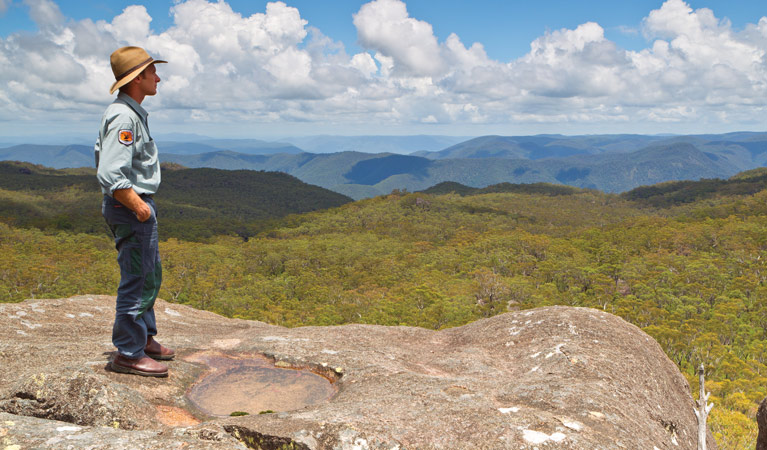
[[699, 61], [271, 67], [45, 13], [385, 26], [132, 25], [222, 34], [460, 56], [364, 63], [700, 38], [572, 63]]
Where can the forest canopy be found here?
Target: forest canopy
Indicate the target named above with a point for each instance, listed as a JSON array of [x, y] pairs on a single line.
[[686, 262]]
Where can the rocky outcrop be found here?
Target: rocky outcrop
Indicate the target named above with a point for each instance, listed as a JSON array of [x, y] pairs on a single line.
[[554, 377], [80, 397]]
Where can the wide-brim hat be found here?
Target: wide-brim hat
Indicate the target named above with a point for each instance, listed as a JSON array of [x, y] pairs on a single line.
[[127, 63]]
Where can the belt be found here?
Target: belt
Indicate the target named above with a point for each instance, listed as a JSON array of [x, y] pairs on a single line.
[[149, 196]]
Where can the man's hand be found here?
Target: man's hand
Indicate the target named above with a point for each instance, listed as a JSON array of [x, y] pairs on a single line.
[[130, 199], [143, 211]]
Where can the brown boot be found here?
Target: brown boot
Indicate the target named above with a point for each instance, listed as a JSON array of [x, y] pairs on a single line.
[[145, 366], [155, 350]]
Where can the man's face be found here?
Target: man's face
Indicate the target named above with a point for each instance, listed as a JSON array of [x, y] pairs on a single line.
[[148, 80]]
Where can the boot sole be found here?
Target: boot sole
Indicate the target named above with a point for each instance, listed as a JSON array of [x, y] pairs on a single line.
[[161, 357], [130, 370]]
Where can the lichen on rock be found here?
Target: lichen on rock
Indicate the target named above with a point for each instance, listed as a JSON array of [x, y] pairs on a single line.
[[78, 397]]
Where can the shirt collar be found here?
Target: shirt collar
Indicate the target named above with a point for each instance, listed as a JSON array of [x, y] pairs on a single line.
[[134, 105]]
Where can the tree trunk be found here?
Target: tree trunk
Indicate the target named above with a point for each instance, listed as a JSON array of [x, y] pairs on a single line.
[[702, 412], [761, 420]]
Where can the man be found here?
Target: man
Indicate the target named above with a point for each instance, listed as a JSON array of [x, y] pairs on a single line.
[[128, 171]]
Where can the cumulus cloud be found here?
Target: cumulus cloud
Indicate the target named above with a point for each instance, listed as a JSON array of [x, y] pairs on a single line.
[[699, 39], [45, 13], [385, 26], [132, 25], [571, 63], [273, 67], [700, 62]]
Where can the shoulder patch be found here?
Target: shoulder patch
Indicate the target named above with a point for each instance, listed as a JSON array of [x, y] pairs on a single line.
[[125, 137]]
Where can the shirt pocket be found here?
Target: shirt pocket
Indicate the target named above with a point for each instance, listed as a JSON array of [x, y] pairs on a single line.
[[148, 151], [148, 159]]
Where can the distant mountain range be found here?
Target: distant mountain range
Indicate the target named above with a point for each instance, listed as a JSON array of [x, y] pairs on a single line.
[[374, 144], [244, 146], [611, 163], [193, 203], [55, 156]]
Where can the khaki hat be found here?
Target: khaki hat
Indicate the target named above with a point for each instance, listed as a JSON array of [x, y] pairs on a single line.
[[127, 63]]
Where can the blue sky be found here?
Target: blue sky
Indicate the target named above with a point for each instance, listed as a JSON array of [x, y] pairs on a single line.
[[394, 67], [506, 28]]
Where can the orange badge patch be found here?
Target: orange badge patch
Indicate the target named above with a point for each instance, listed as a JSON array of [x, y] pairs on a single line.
[[125, 137]]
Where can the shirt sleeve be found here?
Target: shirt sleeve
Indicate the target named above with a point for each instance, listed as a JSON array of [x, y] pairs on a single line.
[[115, 156]]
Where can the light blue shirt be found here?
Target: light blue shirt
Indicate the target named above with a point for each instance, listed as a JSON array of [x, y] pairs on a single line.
[[126, 155]]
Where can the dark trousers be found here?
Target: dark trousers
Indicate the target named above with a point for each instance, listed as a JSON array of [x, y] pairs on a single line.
[[140, 275]]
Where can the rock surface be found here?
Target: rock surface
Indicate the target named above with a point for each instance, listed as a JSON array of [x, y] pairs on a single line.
[[555, 377]]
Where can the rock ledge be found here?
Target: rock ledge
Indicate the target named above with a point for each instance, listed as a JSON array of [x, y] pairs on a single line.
[[555, 377]]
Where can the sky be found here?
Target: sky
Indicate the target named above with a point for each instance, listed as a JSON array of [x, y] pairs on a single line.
[[256, 69]]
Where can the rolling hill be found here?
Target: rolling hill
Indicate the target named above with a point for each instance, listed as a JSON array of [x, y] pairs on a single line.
[[63, 156], [56, 156], [611, 163], [360, 175], [542, 146], [244, 146], [683, 260], [374, 144], [192, 203]]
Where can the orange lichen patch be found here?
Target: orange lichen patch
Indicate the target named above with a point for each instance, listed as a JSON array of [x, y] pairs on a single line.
[[175, 417]]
